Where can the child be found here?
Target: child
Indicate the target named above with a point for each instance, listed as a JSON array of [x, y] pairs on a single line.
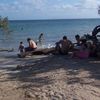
[[21, 47]]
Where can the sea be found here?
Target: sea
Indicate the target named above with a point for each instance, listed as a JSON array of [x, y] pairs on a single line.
[[53, 31]]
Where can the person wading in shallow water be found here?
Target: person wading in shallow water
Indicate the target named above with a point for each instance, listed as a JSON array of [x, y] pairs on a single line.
[[32, 45], [40, 41], [41, 38], [21, 47]]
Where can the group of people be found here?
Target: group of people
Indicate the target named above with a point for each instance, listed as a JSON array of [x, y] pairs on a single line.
[[82, 48], [32, 45]]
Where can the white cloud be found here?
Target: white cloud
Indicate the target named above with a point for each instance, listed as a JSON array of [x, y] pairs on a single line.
[[42, 4], [42, 7], [90, 4], [84, 4], [23, 5], [37, 4]]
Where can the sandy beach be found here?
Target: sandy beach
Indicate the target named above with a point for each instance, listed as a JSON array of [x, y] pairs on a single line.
[[52, 77], [49, 49]]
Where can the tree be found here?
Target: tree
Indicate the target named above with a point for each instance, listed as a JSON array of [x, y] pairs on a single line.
[[4, 23]]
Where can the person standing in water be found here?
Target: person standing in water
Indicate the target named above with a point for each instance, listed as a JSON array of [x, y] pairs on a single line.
[[21, 47], [41, 39]]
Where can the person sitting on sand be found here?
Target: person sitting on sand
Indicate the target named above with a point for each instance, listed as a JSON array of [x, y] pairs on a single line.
[[21, 47], [77, 45], [83, 51], [63, 46], [32, 45], [78, 40]]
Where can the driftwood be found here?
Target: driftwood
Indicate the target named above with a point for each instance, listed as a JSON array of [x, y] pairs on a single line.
[[8, 50], [24, 66], [44, 51]]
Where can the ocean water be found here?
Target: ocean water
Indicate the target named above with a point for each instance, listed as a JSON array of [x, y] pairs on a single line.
[[53, 31]]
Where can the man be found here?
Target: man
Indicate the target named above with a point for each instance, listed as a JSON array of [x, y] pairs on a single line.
[[32, 45], [63, 46]]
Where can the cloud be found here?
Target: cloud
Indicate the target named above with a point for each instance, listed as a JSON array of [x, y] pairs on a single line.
[[83, 4], [43, 4], [90, 4], [23, 5], [83, 9], [49, 8], [35, 4]]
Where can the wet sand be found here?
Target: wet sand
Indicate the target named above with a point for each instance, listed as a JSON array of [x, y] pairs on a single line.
[[49, 78]]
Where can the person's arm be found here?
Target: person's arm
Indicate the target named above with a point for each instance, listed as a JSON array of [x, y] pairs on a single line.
[[71, 44], [19, 48], [29, 44], [57, 43]]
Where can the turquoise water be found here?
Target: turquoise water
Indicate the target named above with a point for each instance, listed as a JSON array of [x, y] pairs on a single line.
[[53, 30]]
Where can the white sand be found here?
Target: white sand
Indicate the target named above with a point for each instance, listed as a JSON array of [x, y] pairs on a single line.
[[49, 78]]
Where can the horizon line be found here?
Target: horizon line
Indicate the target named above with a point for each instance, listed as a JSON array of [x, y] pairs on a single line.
[[51, 19]]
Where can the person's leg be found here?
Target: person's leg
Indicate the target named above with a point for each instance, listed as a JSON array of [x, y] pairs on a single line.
[[58, 49], [32, 49], [64, 51]]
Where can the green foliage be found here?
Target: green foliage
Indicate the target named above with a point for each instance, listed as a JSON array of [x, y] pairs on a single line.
[[4, 23]]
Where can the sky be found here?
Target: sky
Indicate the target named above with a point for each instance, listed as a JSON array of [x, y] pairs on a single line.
[[49, 9]]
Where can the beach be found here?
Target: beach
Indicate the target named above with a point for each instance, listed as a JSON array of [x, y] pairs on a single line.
[[49, 49], [49, 77]]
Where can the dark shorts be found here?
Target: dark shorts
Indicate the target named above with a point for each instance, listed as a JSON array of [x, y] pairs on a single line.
[[60, 50], [29, 49]]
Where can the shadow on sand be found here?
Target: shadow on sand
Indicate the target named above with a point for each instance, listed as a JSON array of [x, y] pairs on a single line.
[[32, 75]]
